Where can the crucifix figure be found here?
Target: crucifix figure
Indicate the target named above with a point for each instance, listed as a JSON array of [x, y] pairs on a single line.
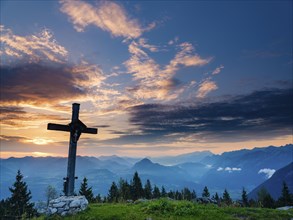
[[76, 127]]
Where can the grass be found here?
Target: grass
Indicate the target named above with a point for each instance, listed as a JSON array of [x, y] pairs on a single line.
[[173, 210]]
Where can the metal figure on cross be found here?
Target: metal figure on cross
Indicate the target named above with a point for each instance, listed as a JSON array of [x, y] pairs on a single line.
[[76, 128]]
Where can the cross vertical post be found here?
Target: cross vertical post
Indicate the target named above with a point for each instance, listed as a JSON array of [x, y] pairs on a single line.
[[72, 152], [76, 127]]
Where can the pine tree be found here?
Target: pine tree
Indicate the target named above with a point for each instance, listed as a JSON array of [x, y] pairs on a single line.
[[217, 198], [20, 199], [136, 187], [156, 192], [4, 208], [265, 199], [226, 198], [205, 192], [171, 194], [113, 194], [148, 190], [85, 191], [193, 195], [124, 190], [244, 198], [178, 195], [186, 194], [98, 198], [163, 192], [285, 198]]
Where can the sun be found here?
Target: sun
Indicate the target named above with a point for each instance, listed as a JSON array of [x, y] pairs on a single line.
[[41, 141], [40, 154]]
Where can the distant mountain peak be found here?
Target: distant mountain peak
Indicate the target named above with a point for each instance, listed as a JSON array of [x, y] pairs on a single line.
[[145, 161]]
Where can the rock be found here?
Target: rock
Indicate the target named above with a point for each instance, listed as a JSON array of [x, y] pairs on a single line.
[[74, 204], [64, 213], [285, 208], [67, 205], [59, 205], [53, 211]]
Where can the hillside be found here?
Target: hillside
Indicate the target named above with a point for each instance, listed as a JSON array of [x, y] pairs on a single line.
[[165, 209], [274, 184]]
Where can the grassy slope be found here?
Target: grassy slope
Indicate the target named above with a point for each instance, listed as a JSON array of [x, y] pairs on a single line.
[[171, 210]]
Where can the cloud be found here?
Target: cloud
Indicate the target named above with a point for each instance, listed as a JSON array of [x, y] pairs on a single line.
[[33, 48], [217, 70], [155, 81], [36, 83], [206, 87], [229, 169], [13, 138], [13, 117], [143, 43], [107, 15], [186, 57], [268, 172], [19, 139], [254, 116], [50, 86]]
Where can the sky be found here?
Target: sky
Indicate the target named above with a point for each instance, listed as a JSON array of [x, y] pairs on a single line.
[[156, 78]]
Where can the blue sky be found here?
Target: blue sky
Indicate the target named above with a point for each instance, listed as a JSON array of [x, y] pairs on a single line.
[[157, 78]]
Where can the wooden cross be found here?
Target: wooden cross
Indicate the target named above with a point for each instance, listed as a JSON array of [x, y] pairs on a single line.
[[76, 127]]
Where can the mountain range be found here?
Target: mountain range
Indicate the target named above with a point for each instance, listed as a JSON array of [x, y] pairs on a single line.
[[231, 170], [274, 184]]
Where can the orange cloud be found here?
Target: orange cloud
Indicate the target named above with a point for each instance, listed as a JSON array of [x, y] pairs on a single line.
[[107, 15], [154, 81], [206, 87], [218, 70], [41, 46]]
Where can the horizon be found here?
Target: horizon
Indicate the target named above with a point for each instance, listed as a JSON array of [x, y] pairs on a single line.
[[39, 155], [157, 79]]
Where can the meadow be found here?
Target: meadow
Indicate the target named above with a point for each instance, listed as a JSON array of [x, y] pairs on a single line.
[[173, 210]]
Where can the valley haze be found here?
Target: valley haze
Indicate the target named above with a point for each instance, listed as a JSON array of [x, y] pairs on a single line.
[[229, 170]]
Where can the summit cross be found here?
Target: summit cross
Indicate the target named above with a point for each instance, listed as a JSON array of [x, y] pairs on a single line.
[[75, 127]]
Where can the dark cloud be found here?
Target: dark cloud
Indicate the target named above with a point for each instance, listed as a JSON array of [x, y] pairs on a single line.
[[101, 126], [36, 83], [12, 138], [258, 115], [17, 117]]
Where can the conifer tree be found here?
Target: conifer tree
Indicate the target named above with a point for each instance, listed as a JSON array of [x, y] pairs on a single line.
[[186, 194], [136, 187], [98, 198], [226, 198], [163, 192], [156, 192], [244, 197], [193, 194], [171, 194], [285, 198], [216, 197], [148, 190], [19, 201], [265, 199], [206, 192], [124, 190], [178, 195], [4, 208], [113, 194], [86, 191]]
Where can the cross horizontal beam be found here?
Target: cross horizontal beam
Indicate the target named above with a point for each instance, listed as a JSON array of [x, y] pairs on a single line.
[[58, 127], [90, 131]]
